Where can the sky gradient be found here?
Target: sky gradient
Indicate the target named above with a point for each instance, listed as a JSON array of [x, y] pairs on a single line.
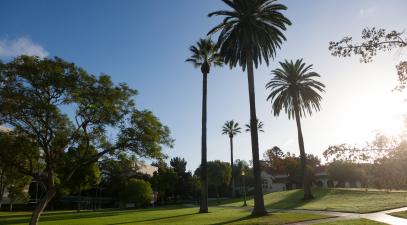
[[145, 43]]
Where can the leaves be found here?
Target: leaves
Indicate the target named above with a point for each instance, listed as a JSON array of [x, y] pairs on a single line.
[[204, 54], [252, 28], [69, 114], [374, 41], [231, 128], [292, 87]]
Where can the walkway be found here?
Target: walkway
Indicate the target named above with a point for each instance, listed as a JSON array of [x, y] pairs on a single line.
[[381, 216]]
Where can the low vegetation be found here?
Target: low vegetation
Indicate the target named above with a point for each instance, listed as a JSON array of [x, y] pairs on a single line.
[[353, 222], [402, 214], [345, 200], [167, 215]]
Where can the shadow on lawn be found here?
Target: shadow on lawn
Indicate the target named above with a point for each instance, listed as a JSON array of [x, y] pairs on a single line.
[[154, 219], [63, 216], [294, 199], [235, 220], [51, 213]]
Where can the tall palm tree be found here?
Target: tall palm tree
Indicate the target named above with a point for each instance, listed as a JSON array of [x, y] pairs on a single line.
[[294, 90], [250, 32], [259, 126], [231, 128], [204, 55]]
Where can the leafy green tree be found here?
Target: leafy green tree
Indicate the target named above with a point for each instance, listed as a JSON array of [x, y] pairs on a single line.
[[374, 40], [85, 177], [138, 192], [164, 181], [185, 184], [274, 158], [219, 174], [249, 33], [204, 55], [345, 171], [243, 166], [16, 187], [115, 172], [231, 128], [294, 90], [16, 150], [35, 93]]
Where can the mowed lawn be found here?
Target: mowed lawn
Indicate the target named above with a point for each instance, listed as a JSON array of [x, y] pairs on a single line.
[[345, 200], [402, 214], [353, 222], [164, 215]]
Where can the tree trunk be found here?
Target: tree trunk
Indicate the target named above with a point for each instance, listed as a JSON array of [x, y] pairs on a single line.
[[232, 180], [305, 178], [204, 176], [11, 205], [258, 209], [79, 199], [42, 205]]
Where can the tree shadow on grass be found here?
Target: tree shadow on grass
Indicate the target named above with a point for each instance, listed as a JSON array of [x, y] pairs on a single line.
[[67, 216], [51, 213], [228, 201], [154, 219], [236, 220], [294, 199]]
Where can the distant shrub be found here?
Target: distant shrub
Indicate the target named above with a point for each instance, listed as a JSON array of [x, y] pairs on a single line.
[[138, 192]]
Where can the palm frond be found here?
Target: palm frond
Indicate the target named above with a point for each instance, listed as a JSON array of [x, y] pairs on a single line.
[[293, 87], [250, 27]]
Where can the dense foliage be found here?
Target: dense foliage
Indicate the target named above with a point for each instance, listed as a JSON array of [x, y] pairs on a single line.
[[70, 114]]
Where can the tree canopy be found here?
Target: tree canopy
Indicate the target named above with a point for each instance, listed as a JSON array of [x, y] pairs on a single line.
[[70, 113]]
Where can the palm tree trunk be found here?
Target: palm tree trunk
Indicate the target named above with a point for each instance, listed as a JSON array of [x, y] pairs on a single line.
[[2, 186], [11, 204], [258, 209], [232, 181], [204, 177], [79, 199], [305, 178]]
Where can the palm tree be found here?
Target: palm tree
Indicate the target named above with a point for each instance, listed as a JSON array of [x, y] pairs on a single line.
[[231, 128], [249, 33], [204, 55], [259, 126], [294, 89]]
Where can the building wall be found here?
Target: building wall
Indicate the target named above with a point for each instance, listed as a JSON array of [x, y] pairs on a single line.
[[322, 180]]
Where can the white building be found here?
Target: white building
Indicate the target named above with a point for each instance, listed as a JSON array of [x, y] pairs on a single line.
[[279, 181]]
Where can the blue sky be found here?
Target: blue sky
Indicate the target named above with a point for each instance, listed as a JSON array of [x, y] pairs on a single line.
[[144, 43]]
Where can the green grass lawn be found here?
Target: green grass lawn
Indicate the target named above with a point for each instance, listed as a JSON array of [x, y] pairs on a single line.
[[402, 214], [346, 200], [165, 215], [353, 222]]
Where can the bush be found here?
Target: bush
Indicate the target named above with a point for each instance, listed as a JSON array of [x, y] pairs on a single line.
[[138, 192]]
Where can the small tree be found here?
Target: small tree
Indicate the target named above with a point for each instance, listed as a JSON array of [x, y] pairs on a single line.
[[138, 192]]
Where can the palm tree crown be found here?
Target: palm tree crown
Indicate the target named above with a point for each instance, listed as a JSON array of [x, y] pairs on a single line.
[[259, 126], [253, 28], [231, 128], [292, 86], [204, 54]]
